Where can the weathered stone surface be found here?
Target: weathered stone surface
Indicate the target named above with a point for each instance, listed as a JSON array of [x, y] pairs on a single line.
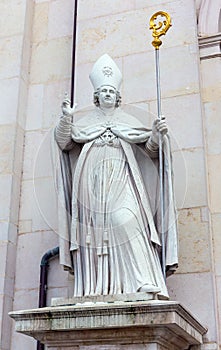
[[49, 55], [194, 242], [164, 324]]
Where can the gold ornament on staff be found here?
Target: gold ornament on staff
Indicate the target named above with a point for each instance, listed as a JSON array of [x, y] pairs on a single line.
[[159, 28]]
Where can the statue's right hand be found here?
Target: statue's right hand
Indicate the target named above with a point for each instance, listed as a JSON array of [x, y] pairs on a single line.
[[67, 110]]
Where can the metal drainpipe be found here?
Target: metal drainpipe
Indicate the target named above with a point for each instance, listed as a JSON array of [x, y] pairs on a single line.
[[52, 253]]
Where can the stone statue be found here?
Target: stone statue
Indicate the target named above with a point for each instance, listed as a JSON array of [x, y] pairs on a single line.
[[107, 180]]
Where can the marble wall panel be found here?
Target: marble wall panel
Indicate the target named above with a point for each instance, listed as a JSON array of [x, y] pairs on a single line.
[[8, 232], [22, 105], [10, 50], [31, 247], [194, 242], [216, 229], [35, 107], [26, 298], [139, 73], [218, 288], [211, 79], [60, 18], [14, 200], [214, 170], [6, 323], [195, 291], [88, 9], [37, 205], [40, 22], [33, 141], [7, 135], [183, 115], [8, 25], [51, 61], [6, 182], [190, 178], [9, 90], [57, 278], [18, 150], [213, 126]]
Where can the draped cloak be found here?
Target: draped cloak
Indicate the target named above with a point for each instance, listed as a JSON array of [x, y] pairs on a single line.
[[112, 248]]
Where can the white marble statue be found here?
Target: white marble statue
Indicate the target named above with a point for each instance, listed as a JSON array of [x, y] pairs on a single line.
[[107, 180]]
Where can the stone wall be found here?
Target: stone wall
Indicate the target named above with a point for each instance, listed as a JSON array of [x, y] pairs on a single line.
[[190, 101]]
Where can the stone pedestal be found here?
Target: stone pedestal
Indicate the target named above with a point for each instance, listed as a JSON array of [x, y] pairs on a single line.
[[149, 325]]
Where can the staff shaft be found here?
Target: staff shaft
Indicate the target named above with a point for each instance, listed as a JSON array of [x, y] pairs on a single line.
[[159, 115], [74, 53]]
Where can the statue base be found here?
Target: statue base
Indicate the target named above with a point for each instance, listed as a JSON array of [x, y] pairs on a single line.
[[149, 325]]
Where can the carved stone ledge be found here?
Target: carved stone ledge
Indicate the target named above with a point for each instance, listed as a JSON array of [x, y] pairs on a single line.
[[210, 46], [160, 324]]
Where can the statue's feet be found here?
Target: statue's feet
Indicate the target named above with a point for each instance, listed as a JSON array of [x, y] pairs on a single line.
[[149, 288]]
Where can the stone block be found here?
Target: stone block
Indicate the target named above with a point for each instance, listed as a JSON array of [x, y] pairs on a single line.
[[58, 278], [6, 323], [51, 60], [213, 126], [18, 151], [143, 3], [40, 21], [8, 232], [139, 73], [26, 298], [46, 199], [190, 178], [214, 169], [90, 9], [27, 41], [38, 204], [31, 247], [5, 196], [196, 292], [9, 92], [14, 197], [12, 18], [11, 53], [35, 107], [218, 286], [194, 242], [185, 128], [7, 139], [211, 79], [216, 238], [60, 18], [33, 141], [22, 105]]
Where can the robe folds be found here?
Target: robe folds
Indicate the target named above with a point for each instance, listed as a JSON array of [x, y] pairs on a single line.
[[109, 208]]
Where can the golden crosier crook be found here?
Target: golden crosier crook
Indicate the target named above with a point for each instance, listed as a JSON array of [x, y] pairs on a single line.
[[159, 28]]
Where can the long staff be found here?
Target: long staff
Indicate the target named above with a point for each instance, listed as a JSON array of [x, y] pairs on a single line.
[[74, 52], [159, 29]]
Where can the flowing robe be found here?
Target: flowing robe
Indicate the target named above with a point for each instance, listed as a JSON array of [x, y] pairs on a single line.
[[108, 184]]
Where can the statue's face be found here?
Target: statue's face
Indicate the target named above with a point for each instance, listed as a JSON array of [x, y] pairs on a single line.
[[107, 96]]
